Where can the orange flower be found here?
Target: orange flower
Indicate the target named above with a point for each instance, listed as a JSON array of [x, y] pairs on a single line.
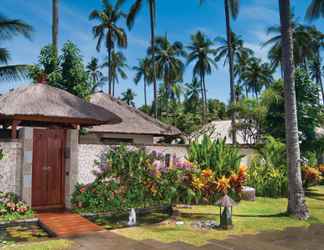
[[223, 184]]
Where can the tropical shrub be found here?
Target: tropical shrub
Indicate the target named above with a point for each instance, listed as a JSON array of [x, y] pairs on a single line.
[[131, 177], [11, 208], [216, 155], [311, 176], [321, 169], [268, 170]]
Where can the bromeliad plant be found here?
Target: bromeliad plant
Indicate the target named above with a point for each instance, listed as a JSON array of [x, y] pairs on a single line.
[[216, 155]]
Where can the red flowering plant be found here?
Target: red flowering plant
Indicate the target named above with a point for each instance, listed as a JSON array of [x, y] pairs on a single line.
[[11, 208]]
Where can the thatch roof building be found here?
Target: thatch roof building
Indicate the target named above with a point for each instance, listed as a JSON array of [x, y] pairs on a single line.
[[136, 126], [41, 105]]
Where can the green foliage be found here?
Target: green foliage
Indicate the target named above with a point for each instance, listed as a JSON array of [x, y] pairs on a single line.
[[66, 72], [133, 178], [309, 111], [223, 159], [268, 170]]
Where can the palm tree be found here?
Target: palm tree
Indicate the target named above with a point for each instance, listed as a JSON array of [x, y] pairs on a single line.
[[135, 9], [96, 76], [296, 195], [315, 10], [10, 28], [256, 76], [128, 96], [169, 65], [317, 43], [200, 53], [241, 54], [144, 72], [301, 39], [109, 32], [192, 94], [118, 66], [231, 8], [55, 24]]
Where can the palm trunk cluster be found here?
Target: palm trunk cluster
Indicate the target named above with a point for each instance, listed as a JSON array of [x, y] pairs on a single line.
[[55, 25], [296, 196], [152, 15], [231, 67]]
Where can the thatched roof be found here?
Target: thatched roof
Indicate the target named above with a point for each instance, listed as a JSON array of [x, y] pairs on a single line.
[[134, 121], [41, 103]]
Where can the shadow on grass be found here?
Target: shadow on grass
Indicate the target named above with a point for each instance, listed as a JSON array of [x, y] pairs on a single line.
[[197, 216], [313, 194], [278, 215]]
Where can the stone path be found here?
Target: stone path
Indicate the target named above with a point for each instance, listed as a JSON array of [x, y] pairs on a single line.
[[290, 239]]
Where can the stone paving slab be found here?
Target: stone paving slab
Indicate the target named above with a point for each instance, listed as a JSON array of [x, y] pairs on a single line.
[[311, 238]]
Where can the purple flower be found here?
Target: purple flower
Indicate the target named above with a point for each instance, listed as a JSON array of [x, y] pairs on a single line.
[[183, 164]]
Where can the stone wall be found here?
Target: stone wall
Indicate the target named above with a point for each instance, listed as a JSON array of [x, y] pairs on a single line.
[[90, 153], [10, 165]]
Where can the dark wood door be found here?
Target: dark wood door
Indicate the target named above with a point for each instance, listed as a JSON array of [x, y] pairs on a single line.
[[48, 168]]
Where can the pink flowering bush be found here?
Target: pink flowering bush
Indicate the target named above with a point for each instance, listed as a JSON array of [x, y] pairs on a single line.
[[131, 177], [12, 208]]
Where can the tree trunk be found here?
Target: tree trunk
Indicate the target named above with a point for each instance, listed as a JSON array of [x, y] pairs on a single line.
[[231, 71], [205, 99], [203, 114], [145, 93], [296, 195], [109, 70], [319, 73], [152, 20], [55, 24], [113, 88]]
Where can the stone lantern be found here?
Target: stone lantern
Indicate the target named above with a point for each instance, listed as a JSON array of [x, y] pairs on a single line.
[[225, 212]]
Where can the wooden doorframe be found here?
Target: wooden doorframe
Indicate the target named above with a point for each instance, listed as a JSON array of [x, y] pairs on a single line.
[[62, 195]]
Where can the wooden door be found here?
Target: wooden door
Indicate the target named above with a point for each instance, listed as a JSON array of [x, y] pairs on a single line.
[[48, 168]]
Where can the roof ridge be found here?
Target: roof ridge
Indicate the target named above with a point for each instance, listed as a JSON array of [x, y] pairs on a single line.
[[145, 116]]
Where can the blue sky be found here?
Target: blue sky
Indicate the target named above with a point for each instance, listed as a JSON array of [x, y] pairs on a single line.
[[177, 18]]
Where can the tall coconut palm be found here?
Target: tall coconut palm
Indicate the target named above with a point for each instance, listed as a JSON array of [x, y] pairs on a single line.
[[317, 44], [241, 54], [97, 78], [9, 29], [315, 10], [144, 72], [128, 96], [55, 24], [108, 32], [301, 39], [256, 76], [231, 8], [118, 66], [169, 65], [192, 95], [135, 9], [201, 55], [296, 196]]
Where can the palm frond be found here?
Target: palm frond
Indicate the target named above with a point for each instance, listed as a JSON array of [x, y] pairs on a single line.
[[4, 56], [13, 72], [135, 9], [10, 28]]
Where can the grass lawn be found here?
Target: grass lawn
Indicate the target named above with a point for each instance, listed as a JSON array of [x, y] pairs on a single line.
[[249, 218], [43, 245]]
